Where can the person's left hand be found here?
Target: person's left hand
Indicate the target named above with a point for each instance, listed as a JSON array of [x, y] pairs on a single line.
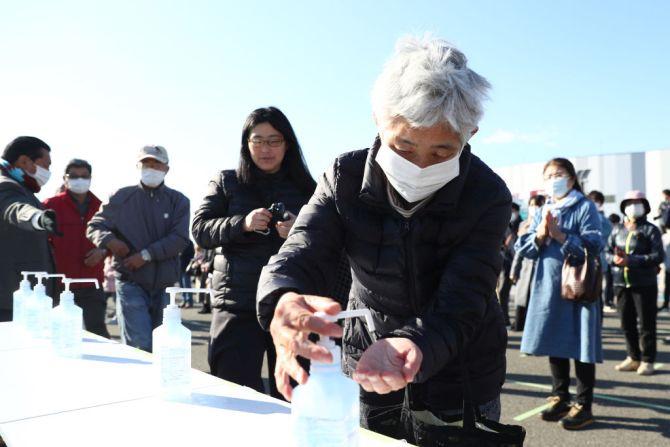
[[555, 230], [388, 365], [284, 227], [134, 262]]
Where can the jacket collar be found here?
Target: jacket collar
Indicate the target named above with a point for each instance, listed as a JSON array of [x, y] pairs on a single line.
[[373, 187]]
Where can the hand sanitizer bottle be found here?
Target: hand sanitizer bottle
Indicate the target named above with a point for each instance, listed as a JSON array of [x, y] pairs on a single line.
[[325, 411], [172, 350], [37, 312], [19, 299], [67, 322]]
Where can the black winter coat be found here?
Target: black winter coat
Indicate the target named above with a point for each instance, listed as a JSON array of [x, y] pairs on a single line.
[[218, 224], [430, 278], [645, 253]]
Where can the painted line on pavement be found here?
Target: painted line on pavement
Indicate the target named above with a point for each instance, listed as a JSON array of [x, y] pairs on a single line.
[[532, 412], [595, 395]]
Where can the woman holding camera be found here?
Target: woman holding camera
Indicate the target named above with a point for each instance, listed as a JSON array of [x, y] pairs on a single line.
[[246, 216]]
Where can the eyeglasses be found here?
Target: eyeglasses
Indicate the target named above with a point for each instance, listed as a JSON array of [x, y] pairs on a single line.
[[77, 177], [555, 175], [258, 143]]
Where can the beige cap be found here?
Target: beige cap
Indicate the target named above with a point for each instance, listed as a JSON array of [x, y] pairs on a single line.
[[156, 152]]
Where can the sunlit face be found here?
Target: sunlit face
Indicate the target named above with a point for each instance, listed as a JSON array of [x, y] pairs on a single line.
[[423, 146], [152, 163], [30, 166], [267, 147], [554, 171]]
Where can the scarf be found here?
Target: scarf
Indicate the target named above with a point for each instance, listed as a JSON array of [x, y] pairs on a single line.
[[19, 176]]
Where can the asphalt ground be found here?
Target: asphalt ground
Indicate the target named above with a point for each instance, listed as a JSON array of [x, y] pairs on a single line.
[[630, 410]]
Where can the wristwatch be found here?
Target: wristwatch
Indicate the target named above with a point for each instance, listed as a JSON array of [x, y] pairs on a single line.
[[146, 255]]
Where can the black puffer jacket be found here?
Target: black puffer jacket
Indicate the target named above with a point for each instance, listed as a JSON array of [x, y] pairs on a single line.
[[218, 224], [430, 278], [644, 248]]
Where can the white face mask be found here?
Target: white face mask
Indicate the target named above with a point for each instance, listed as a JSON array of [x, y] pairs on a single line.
[[152, 177], [41, 175], [79, 185], [532, 210], [557, 187], [412, 182], [634, 210]]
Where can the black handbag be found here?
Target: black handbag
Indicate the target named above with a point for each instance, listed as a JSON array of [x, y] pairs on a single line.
[[476, 431]]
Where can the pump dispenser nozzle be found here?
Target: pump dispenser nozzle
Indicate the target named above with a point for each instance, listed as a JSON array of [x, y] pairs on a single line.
[[172, 311], [329, 343], [25, 284], [68, 281], [67, 295], [41, 275]]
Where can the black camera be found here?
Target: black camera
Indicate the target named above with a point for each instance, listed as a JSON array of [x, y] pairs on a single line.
[[279, 213]]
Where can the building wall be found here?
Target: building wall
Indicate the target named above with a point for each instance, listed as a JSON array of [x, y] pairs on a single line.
[[612, 174]]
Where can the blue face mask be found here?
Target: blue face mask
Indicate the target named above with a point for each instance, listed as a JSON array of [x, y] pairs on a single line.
[[15, 173]]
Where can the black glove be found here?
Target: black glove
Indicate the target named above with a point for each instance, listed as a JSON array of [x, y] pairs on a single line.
[[48, 222]]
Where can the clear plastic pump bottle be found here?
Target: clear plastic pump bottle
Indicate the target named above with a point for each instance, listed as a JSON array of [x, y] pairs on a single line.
[[325, 411], [37, 309], [67, 322], [21, 295], [172, 350]]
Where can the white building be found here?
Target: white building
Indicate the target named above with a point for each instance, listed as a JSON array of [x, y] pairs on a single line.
[[612, 174]]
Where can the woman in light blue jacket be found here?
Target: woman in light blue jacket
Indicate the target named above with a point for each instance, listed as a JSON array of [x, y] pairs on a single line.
[[555, 327]]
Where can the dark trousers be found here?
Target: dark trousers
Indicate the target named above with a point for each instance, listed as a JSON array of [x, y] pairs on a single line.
[[639, 303], [93, 303], [505, 286], [5, 315], [666, 289], [236, 350], [388, 414], [560, 378], [608, 290]]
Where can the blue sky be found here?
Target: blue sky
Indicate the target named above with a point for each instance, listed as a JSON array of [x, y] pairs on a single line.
[[99, 80]]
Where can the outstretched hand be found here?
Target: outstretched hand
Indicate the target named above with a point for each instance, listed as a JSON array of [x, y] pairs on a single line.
[[388, 365]]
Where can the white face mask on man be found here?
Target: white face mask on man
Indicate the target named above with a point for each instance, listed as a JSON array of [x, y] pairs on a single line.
[[412, 182], [79, 185], [41, 175], [152, 177]]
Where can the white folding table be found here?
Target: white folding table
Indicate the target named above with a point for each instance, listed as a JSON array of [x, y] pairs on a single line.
[[109, 398]]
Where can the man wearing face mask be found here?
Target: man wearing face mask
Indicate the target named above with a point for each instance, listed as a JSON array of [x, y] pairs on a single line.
[[24, 222], [634, 254], [421, 220], [76, 256], [607, 298], [145, 227]]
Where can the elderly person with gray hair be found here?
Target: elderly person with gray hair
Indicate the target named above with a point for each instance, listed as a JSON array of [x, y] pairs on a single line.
[[420, 219]]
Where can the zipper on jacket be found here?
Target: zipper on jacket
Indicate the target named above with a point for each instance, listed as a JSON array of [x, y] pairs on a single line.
[[629, 238], [409, 256]]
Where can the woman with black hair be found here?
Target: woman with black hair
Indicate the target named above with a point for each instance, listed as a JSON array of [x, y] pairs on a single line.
[[246, 216], [566, 227]]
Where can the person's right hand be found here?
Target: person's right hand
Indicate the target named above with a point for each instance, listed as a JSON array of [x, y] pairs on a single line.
[[257, 220], [48, 222], [291, 325], [542, 231], [118, 248]]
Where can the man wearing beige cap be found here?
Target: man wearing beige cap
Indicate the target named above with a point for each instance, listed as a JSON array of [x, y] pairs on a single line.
[[145, 227]]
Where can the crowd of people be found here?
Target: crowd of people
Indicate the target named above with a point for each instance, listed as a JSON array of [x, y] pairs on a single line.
[[410, 228], [566, 227]]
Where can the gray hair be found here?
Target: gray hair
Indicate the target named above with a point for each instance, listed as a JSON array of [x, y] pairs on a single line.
[[426, 82]]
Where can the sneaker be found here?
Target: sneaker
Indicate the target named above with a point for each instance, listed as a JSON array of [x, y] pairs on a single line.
[[646, 369], [205, 310], [558, 408], [628, 365], [609, 310], [579, 417]]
